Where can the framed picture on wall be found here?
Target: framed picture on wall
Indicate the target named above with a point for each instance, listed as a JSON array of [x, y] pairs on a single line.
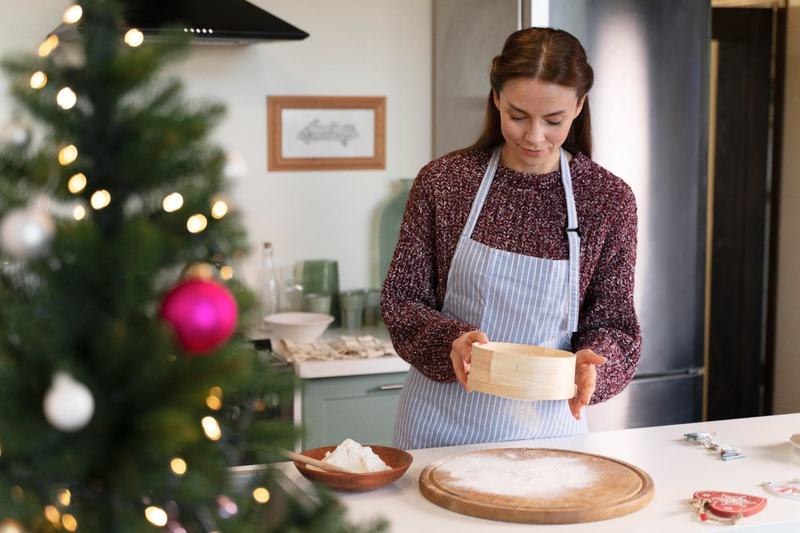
[[326, 132]]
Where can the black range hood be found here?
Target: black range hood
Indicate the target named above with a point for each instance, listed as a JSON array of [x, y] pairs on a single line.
[[208, 21]]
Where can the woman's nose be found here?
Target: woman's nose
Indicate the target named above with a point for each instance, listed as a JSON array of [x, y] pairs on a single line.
[[534, 135]]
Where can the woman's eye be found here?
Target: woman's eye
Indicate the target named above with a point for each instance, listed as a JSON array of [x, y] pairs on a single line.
[[552, 123]]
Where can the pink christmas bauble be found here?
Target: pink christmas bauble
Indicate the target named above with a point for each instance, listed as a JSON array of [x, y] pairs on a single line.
[[203, 314]]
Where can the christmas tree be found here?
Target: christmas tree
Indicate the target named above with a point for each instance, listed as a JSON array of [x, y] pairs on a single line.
[[127, 389]]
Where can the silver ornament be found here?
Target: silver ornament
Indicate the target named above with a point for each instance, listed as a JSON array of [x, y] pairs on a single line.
[[69, 404], [26, 233]]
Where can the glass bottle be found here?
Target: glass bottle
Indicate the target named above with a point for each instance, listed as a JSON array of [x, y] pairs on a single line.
[[290, 291], [267, 283]]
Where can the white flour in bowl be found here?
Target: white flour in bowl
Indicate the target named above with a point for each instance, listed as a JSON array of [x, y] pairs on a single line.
[[353, 456], [513, 474]]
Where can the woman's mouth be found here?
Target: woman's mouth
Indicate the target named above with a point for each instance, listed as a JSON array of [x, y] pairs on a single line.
[[533, 153]]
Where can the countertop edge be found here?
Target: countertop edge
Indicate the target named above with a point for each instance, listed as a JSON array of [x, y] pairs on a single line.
[[386, 364]]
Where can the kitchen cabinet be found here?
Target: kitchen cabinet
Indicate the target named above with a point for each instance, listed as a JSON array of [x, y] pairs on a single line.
[[361, 407], [340, 398]]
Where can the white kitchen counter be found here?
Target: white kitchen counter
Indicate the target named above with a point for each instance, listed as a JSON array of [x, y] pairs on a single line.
[[678, 469], [351, 367]]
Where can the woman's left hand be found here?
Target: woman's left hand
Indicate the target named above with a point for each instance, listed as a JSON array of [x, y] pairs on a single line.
[[585, 380]]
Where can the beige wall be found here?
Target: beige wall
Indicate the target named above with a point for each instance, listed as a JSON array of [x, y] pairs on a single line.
[[356, 47], [787, 342]]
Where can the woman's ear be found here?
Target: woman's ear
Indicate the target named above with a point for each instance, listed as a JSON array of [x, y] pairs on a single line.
[[496, 99], [581, 101]]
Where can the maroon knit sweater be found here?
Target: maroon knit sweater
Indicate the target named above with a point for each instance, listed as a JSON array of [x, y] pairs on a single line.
[[523, 214]]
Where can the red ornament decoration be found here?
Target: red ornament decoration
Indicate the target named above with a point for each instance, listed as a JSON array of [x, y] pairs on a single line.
[[725, 507], [203, 313]]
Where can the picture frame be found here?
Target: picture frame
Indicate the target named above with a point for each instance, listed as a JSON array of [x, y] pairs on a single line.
[[326, 133]]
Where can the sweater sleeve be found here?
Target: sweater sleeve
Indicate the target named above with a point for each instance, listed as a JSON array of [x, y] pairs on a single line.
[[420, 333], [608, 324]]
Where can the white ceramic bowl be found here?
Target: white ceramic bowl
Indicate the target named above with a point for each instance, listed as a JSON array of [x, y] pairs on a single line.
[[298, 327]]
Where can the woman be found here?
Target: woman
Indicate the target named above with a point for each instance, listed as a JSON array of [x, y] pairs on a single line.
[[519, 238]]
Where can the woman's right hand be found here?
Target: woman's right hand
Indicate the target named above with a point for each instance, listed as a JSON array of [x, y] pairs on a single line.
[[461, 354]]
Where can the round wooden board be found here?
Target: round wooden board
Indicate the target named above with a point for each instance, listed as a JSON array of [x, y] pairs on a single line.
[[536, 485]]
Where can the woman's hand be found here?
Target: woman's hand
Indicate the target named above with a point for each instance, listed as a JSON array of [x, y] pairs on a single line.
[[461, 354], [585, 379]]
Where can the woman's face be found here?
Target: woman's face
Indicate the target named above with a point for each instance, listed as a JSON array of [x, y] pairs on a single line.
[[535, 118]]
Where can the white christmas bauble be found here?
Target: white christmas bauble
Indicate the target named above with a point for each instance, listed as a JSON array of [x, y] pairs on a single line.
[[235, 165], [16, 133], [26, 233], [69, 404]]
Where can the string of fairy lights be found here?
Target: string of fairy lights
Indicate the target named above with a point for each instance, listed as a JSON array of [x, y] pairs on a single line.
[[59, 516], [66, 98], [158, 516], [58, 513]]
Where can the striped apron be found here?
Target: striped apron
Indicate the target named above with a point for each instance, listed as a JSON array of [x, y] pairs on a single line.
[[512, 298]]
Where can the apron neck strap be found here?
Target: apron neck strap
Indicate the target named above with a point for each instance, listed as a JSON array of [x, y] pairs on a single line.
[[574, 241], [483, 192], [566, 181]]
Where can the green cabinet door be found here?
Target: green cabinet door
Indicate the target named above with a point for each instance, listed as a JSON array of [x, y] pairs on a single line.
[[358, 407]]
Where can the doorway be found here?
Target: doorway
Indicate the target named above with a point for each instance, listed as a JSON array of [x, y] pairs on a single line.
[[747, 58]]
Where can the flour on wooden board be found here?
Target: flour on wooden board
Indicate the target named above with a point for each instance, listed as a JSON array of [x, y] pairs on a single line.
[[512, 474]]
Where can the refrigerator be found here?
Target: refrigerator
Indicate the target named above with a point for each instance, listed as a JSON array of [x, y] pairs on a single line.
[[649, 108]]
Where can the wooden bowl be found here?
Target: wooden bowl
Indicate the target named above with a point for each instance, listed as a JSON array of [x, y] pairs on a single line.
[[522, 371], [398, 460]]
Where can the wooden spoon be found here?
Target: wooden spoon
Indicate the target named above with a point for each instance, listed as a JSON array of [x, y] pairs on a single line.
[[300, 458]]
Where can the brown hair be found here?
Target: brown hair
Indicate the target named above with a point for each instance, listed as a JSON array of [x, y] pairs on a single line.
[[548, 55]]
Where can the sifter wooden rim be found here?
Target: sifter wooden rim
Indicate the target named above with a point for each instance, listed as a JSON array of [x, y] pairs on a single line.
[[514, 349], [535, 361], [523, 393]]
